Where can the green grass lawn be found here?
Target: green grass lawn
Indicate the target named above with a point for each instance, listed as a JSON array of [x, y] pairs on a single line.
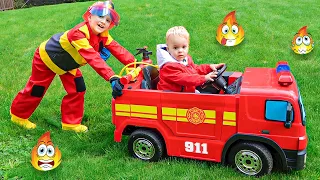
[[269, 27]]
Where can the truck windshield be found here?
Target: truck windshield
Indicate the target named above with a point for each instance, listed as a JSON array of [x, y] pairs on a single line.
[[303, 113]]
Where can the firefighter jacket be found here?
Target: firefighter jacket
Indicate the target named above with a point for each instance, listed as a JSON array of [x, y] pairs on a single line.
[[65, 52], [178, 76]]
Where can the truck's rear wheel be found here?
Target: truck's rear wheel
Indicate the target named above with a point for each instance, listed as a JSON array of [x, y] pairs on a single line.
[[252, 159], [146, 145]]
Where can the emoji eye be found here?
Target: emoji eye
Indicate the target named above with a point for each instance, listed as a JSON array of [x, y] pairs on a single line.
[[306, 40], [235, 29], [50, 151], [299, 40], [225, 29], [42, 150]]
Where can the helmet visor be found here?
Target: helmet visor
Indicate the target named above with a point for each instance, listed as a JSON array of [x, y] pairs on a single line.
[[103, 9]]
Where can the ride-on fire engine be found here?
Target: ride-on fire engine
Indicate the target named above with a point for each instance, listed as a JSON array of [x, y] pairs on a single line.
[[255, 121]]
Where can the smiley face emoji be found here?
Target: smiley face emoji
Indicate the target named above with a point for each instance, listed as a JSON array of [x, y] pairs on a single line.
[[229, 32], [44, 156], [302, 42]]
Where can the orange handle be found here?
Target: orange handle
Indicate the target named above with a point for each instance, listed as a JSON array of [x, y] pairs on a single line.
[[126, 79]]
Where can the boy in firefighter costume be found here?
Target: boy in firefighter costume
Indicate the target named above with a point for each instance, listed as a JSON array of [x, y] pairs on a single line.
[[178, 72], [63, 54]]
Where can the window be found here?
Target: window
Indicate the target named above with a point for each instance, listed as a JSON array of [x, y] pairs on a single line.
[[279, 111], [303, 113]]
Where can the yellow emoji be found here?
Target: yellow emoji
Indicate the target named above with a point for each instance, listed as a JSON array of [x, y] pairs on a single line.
[[229, 33], [302, 42], [44, 156]]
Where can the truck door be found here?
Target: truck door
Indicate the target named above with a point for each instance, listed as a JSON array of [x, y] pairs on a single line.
[[275, 118], [193, 115]]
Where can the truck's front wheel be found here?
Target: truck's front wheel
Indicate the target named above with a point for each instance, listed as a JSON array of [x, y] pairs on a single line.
[[146, 145], [252, 159]]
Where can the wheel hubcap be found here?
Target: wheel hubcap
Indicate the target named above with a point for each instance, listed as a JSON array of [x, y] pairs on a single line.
[[143, 148], [248, 162]]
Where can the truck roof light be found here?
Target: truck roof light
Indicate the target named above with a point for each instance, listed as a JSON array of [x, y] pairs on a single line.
[[282, 66], [283, 73]]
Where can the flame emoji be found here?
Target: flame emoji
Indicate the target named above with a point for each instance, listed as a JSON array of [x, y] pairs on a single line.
[[44, 156], [302, 42], [229, 33]]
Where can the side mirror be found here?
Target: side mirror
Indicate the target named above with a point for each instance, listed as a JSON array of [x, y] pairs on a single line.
[[289, 116]]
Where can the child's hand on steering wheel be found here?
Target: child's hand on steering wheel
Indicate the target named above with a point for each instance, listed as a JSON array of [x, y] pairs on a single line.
[[215, 67], [210, 76]]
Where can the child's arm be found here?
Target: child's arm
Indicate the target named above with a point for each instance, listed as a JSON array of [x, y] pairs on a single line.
[[201, 69], [92, 57], [174, 74], [119, 52]]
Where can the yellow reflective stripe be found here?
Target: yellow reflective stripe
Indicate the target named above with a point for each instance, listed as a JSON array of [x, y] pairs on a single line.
[[169, 111], [210, 113], [85, 30], [209, 121], [150, 116], [104, 34], [229, 116], [107, 35], [181, 112], [110, 39], [144, 109], [73, 72], [47, 60], [122, 107], [229, 123], [169, 118], [136, 111], [127, 108], [182, 119], [122, 114], [65, 44], [81, 44]]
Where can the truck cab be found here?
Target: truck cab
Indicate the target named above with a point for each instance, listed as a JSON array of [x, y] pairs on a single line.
[[258, 126]]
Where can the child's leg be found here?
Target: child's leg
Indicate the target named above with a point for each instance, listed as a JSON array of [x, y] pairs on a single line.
[[72, 106], [28, 99]]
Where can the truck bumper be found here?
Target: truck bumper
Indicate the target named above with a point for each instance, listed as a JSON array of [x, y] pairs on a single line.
[[117, 135], [296, 160]]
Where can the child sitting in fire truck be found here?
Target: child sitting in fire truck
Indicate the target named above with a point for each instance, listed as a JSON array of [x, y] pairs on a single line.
[[178, 72]]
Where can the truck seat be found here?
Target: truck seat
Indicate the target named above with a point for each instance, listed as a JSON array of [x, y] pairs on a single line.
[[151, 78]]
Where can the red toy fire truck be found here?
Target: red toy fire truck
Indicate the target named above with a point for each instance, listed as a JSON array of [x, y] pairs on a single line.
[[255, 121]]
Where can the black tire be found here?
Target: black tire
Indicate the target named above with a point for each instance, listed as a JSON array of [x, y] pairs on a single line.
[[146, 145], [252, 159]]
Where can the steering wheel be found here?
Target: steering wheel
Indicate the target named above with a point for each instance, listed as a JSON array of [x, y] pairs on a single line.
[[220, 71], [218, 83]]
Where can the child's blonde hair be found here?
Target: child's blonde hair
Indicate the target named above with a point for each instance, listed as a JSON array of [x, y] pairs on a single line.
[[177, 30]]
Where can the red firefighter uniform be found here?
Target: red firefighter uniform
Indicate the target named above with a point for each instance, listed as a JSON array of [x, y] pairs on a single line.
[[63, 54], [178, 76]]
